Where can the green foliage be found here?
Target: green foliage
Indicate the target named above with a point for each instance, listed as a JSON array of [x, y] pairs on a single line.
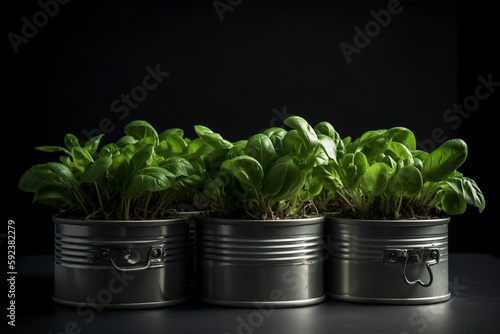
[[279, 173], [381, 175], [269, 175], [142, 176]]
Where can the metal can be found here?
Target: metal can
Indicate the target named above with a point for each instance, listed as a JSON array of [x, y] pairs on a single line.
[[252, 263], [120, 264], [387, 261]]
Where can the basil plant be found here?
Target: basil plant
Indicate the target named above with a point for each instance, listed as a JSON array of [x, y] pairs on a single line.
[[144, 175], [381, 175], [269, 175]]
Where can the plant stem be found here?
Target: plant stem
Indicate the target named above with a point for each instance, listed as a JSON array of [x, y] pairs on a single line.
[[161, 203], [126, 212], [99, 196], [80, 201], [146, 205], [398, 207]]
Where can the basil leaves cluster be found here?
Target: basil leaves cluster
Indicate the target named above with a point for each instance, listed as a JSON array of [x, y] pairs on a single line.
[[279, 173], [382, 174], [143, 175]]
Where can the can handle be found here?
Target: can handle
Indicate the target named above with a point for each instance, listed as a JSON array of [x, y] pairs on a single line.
[[132, 257], [429, 256]]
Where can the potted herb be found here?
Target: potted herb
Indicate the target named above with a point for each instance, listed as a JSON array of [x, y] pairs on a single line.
[[261, 242], [117, 218], [389, 206], [183, 159]]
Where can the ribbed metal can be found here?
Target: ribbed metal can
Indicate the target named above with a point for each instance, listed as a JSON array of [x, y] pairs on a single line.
[[252, 263], [387, 261], [120, 264]]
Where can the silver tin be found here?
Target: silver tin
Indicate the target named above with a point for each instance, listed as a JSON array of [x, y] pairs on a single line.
[[252, 263], [120, 264], [387, 261]]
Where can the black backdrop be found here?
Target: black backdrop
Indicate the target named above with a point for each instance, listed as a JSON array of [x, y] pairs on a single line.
[[238, 66]]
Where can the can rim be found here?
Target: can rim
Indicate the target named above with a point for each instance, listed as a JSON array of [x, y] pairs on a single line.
[[100, 222], [261, 222], [389, 222]]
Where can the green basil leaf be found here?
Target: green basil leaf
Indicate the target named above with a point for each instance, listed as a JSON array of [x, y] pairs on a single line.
[[261, 148], [313, 188], [71, 141], [352, 168], [329, 176], [403, 136], [407, 182], [54, 195], [173, 131], [418, 164], [325, 128], [445, 160], [172, 145], [52, 149], [36, 177], [212, 138], [125, 141], [93, 143], [109, 149], [277, 135], [97, 170], [81, 158], [149, 179], [237, 149], [305, 131], [328, 146], [142, 130], [467, 189], [399, 151], [283, 180], [187, 184], [178, 166], [452, 204], [63, 173], [247, 170], [291, 142], [375, 179], [141, 158]]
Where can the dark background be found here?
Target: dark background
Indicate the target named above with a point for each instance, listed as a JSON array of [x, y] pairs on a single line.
[[264, 61]]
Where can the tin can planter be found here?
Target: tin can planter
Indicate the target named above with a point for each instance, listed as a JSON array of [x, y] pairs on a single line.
[[387, 261], [252, 263], [120, 264]]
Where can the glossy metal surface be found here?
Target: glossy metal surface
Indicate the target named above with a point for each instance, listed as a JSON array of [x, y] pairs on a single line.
[[121, 264], [384, 261], [244, 263]]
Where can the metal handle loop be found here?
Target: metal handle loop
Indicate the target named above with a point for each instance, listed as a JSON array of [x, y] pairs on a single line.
[[429, 256], [130, 268], [418, 281], [154, 252]]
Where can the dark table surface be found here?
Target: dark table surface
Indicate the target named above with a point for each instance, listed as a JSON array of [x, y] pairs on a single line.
[[473, 308]]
